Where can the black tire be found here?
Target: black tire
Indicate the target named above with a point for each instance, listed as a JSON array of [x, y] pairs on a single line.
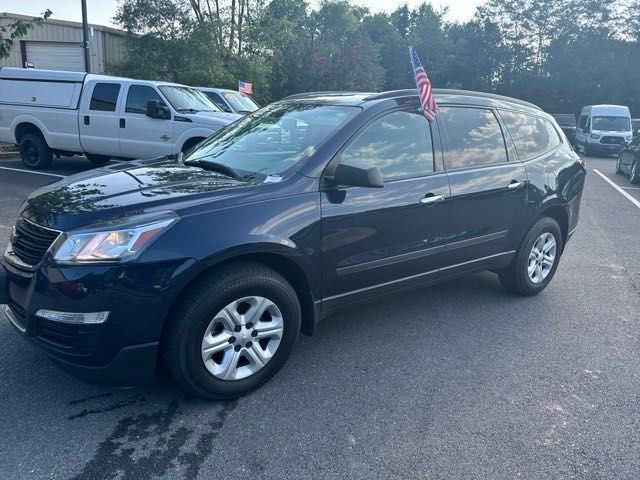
[[97, 160], [35, 152], [619, 165], [194, 312], [635, 173], [515, 278]]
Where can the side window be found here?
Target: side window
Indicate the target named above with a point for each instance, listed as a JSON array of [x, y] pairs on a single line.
[[474, 137], [105, 97], [398, 143], [138, 96], [217, 99], [583, 122], [533, 136]]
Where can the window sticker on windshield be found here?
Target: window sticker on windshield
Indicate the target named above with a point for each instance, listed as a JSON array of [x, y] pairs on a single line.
[[273, 179]]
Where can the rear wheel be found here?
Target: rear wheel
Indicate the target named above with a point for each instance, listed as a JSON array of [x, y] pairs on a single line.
[[635, 173], [536, 261], [97, 160], [35, 152], [232, 331]]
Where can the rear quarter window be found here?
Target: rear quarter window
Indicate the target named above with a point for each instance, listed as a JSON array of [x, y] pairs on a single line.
[[533, 136]]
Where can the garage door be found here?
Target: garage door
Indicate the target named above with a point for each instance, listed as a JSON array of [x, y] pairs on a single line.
[[55, 56]]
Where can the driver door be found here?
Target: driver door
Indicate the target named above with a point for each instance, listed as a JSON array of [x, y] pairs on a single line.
[[140, 135]]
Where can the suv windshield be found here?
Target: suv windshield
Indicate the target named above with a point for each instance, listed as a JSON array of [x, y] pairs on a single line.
[[273, 139], [241, 102], [611, 124], [565, 120], [185, 99]]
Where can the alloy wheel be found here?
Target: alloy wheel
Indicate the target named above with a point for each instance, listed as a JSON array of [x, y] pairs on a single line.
[[542, 258], [242, 338]]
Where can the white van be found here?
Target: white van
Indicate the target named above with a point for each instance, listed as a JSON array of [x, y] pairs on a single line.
[[47, 112], [604, 129]]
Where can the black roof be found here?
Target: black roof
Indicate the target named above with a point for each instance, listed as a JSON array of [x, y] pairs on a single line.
[[443, 96]]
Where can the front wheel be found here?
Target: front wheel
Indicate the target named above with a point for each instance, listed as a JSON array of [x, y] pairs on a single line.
[[635, 173], [232, 331], [619, 165], [536, 261]]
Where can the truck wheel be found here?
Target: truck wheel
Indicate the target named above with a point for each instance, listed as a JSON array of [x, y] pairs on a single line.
[[536, 261], [35, 152], [635, 174], [232, 331], [97, 160]]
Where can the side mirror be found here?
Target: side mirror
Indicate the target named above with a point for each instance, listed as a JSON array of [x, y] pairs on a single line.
[[156, 109], [357, 177]]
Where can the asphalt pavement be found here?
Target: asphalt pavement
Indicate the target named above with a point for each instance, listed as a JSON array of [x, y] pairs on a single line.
[[457, 381]]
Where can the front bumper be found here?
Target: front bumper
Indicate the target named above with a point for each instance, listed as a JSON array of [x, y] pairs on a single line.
[[606, 148], [124, 349]]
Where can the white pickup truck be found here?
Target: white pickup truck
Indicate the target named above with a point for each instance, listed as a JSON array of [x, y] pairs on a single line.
[[47, 113]]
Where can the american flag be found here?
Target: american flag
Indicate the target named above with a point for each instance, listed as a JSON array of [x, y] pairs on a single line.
[[244, 87], [429, 107]]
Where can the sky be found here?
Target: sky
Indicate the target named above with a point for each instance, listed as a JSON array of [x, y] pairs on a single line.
[[101, 11]]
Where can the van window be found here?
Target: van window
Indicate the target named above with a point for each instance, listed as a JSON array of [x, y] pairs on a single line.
[[474, 137], [533, 136], [138, 96], [583, 122], [105, 97], [398, 143]]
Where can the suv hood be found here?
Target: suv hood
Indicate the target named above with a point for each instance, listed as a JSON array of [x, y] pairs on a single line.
[[111, 192], [212, 118]]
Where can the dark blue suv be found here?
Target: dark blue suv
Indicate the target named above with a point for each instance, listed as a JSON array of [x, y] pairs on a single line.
[[213, 263]]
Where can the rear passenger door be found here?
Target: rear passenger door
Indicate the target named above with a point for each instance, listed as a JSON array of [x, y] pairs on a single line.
[[385, 237], [488, 186], [99, 118]]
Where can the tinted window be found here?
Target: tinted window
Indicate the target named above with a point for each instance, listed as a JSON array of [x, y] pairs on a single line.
[[105, 97], [533, 136], [474, 137], [215, 98], [138, 97], [399, 144]]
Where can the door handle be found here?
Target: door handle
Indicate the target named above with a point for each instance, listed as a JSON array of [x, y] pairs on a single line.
[[122, 123], [430, 199], [86, 120], [514, 185]]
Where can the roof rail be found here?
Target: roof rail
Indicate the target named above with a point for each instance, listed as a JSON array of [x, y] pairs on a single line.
[[326, 93], [446, 91]]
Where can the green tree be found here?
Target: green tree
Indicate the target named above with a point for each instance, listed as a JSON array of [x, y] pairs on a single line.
[[16, 30]]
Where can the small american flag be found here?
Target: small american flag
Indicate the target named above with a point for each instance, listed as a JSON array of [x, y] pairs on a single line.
[[244, 87], [429, 107]]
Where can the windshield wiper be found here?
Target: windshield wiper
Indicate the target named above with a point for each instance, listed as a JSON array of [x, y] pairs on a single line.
[[187, 110], [216, 167]]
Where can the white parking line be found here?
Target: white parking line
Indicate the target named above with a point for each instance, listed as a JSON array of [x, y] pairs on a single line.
[[31, 171], [631, 188], [618, 188]]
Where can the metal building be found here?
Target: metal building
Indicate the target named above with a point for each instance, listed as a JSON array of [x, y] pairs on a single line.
[[56, 45]]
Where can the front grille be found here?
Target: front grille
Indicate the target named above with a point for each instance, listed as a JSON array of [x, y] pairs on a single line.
[[612, 140], [30, 241]]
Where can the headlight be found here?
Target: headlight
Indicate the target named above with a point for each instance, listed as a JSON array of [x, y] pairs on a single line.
[[628, 138], [595, 137], [110, 244]]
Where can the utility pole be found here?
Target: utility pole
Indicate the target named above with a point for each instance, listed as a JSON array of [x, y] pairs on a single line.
[[85, 37]]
